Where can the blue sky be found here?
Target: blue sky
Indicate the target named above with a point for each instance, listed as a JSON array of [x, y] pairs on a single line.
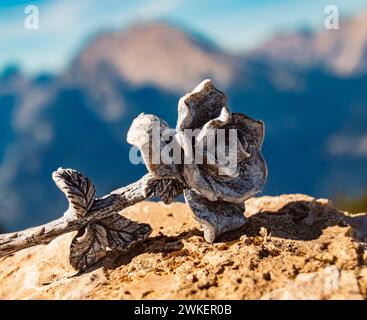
[[65, 25]]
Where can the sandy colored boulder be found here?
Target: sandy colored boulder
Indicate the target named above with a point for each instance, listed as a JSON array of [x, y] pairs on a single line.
[[292, 247]]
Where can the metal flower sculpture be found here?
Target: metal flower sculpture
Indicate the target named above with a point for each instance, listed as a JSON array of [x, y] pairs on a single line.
[[214, 188]]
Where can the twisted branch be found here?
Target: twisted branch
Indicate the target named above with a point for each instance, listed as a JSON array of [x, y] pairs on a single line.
[[88, 215]]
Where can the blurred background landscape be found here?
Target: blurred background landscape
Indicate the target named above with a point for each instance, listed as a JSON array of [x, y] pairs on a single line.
[[69, 91]]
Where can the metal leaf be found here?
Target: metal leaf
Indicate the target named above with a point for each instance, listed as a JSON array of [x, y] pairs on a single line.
[[78, 189], [166, 189], [112, 234]]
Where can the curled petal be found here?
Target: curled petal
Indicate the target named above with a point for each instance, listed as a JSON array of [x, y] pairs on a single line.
[[217, 123], [253, 131], [201, 105], [215, 217], [235, 180], [147, 132], [252, 174], [222, 144]]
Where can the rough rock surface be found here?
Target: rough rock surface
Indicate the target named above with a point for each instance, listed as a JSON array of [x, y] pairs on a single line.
[[293, 247]]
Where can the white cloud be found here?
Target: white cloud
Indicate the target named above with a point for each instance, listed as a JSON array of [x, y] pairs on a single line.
[[339, 145]]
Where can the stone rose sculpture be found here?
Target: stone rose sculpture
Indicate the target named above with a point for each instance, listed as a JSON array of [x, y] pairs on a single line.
[[231, 169]]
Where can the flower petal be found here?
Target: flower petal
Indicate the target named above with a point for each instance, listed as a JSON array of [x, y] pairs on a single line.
[[252, 130], [196, 108], [147, 132], [242, 181], [214, 124], [221, 145], [215, 217], [251, 177]]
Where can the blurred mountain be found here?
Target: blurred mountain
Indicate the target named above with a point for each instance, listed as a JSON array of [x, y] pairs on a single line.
[[342, 51], [155, 54], [80, 118]]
